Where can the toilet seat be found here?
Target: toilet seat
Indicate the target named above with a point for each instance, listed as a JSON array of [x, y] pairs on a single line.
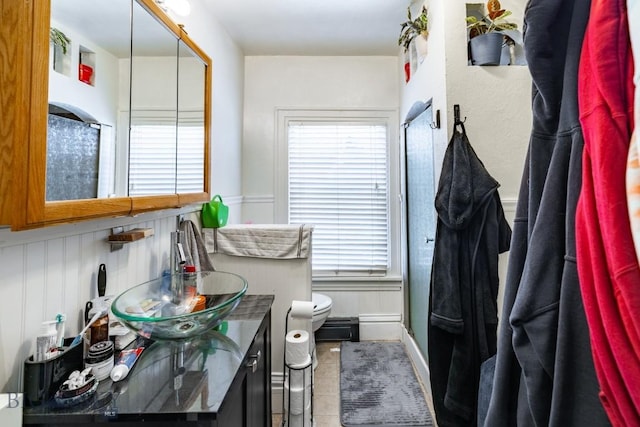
[[321, 303]]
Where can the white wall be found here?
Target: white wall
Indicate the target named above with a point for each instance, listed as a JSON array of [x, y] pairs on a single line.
[[43, 272], [100, 100], [307, 82], [496, 101]]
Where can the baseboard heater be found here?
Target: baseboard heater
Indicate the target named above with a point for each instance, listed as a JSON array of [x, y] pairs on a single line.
[[339, 329]]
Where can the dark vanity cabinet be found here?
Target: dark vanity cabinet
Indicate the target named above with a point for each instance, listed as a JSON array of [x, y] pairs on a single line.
[[220, 379], [248, 402]]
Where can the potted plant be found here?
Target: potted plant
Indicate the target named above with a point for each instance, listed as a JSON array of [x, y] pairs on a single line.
[[413, 28], [60, 44], [486, 34], [58, 38]]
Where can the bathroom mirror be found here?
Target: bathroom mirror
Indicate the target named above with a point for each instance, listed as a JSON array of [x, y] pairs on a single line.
[[88, 90], [154, 107], [110, 75], [126, 145], [191, 119]]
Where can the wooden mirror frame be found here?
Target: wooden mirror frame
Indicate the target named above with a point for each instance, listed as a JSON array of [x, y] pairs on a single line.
[[24, 79]]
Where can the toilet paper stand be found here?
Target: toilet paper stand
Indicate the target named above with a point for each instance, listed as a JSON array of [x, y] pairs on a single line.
[[305, 372]]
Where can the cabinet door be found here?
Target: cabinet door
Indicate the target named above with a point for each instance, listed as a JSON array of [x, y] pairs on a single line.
[[256, 385], [232, 412], [248, 402]]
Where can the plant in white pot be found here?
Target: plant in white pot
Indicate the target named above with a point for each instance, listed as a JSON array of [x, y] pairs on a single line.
[[414, 29], [58, 38], [488, 33], [60, 44]]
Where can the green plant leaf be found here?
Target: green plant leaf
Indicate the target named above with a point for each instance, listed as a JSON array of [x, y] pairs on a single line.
[[57, 37]]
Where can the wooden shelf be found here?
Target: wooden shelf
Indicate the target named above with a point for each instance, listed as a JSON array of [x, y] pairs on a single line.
[[119, 237]]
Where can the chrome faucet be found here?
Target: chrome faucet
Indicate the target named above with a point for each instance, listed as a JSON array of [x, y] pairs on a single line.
[[177, 260]]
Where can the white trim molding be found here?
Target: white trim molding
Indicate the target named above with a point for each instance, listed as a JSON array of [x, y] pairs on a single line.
[[419, 364], [259, 199], [277, 386], [509, 204], [380, 327]]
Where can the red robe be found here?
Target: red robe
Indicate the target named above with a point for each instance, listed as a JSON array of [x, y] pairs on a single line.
[[607, 264]]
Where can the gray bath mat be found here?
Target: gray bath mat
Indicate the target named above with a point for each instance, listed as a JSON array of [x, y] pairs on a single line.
[[378, 386]]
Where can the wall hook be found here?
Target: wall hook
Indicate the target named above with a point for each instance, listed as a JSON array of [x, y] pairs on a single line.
[[436, 124], [456, 115]]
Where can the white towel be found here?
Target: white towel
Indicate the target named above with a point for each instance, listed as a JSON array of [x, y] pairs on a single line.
[[281, 241]]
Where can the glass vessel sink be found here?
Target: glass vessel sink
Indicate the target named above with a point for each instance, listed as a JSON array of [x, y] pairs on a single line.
[[176, 307]]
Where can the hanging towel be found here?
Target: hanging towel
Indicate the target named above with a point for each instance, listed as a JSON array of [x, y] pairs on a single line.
[[281, 241], [194, 246]]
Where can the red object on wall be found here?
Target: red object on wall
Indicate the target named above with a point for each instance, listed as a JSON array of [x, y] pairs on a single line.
[[407, 72], [84, 73]]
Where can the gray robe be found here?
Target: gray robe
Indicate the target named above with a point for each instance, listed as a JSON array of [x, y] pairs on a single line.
[[471, 232], [544, 374]]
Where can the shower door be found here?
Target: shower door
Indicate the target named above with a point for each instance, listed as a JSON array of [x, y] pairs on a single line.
[[420, 217]]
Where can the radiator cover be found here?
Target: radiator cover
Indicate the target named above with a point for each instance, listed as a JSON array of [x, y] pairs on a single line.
[[339, 329]]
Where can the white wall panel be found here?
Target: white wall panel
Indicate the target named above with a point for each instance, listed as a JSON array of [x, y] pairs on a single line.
[[41, 279]]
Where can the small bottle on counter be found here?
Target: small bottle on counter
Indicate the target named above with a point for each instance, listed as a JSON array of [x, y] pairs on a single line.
[[100, 359], [99, 330], [190, 276], [46, 346]]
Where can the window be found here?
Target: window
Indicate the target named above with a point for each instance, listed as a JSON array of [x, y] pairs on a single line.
[[152, 154], [154, 160], [338, 180]]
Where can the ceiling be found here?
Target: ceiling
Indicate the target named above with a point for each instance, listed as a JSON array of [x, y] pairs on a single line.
[[260, 27], [312, 27]]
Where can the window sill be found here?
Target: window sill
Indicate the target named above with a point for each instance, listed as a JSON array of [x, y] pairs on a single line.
[[360, 283]]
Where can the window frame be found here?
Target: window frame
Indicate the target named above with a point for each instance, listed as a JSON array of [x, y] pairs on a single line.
[[374, 116]]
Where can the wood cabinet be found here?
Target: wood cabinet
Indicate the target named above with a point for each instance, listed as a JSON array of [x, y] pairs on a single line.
[[24, 108]]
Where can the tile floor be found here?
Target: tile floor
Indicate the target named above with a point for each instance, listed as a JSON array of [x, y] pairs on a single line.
[[326, 396]]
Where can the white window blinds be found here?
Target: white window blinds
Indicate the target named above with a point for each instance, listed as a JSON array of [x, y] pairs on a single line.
[[338, 182], [152, 159], [156, 167]]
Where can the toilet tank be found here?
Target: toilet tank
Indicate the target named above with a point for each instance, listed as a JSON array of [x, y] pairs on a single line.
[[287, 279]]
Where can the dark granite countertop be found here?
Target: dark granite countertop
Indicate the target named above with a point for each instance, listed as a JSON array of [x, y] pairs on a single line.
[[171, 380]]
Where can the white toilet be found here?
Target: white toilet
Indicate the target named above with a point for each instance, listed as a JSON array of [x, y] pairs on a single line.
[[321, 309]]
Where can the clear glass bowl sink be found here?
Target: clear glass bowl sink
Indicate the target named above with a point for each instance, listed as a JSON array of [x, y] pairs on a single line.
[[159, 310]]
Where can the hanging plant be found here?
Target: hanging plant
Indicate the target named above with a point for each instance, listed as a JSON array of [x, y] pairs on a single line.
[[413, 28], [58, 38]]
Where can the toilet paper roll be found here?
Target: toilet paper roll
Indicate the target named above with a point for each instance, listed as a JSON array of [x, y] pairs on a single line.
[[298, 378], [298, 366], [296, 399], [302, 309], [303, 419], [297, 343]]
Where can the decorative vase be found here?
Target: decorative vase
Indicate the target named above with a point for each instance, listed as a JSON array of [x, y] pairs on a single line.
[[84, 73], [407, 66], [486, 49], [421, 47]]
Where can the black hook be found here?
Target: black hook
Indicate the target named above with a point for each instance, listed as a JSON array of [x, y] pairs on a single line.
[[456, 115], [436, 124]]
